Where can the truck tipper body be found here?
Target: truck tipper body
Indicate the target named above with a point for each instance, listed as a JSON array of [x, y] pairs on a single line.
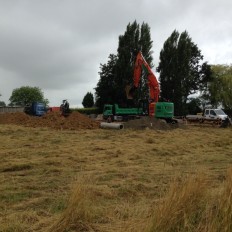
[[163, 110]]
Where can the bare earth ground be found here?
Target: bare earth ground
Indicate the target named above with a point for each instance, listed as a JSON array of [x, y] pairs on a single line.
[[54, 120], [126, 172]]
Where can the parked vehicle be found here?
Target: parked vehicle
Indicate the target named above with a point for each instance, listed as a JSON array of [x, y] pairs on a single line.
[[36, 109], [216, 116], [114, 113], [163, 110]]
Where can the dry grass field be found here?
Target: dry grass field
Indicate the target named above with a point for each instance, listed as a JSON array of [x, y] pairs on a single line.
[[115, 180]]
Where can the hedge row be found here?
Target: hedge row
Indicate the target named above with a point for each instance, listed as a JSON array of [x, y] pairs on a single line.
[[87, 110]]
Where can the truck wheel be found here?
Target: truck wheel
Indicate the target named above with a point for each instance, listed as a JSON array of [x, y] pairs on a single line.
[[217, 122]]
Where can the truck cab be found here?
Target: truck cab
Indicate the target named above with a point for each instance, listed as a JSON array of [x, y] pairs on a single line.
[[36, 109], [164, 110], [107, 111]]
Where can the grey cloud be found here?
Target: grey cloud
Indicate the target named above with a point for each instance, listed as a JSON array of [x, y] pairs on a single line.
[[59, 45]]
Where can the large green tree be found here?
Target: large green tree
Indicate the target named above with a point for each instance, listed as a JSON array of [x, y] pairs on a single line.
[[118, 72], [88, 100], [182, 72], [105, 91], [135, 39], [2, 103], [219, 90], [26, 95]]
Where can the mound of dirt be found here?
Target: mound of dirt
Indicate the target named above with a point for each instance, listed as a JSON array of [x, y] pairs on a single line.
[[53, 120], [151, 123]]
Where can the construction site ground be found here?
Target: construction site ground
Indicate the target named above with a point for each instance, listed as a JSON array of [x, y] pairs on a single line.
[[104, 180], [54, 120], [152, 123], [77, 121]]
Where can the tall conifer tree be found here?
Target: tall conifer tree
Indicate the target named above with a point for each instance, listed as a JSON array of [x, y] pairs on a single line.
[[181, 71], [105, 91], [118, 72]]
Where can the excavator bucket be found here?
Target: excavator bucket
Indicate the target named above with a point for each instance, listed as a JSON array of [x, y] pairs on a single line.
[[129, 92]]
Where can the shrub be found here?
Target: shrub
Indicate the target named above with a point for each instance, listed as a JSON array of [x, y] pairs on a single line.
[[86, 110]]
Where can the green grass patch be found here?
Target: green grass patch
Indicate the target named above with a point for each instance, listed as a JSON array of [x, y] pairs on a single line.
[[87, 110]]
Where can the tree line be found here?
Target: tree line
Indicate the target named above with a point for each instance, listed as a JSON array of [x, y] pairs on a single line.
[[185, 79]]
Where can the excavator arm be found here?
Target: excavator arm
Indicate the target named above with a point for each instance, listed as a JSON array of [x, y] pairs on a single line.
[[164, 110], [140, 65]]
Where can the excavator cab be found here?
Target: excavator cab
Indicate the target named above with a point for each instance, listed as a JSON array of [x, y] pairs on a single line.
[[64, 108]]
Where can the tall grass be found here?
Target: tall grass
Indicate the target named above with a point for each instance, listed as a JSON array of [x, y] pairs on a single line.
[[129, 171], [182, 208], [18, 223], [189, 206], [220, 213], [80, 211]]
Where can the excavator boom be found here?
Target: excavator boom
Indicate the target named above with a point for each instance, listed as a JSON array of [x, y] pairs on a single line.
[[140, 65]]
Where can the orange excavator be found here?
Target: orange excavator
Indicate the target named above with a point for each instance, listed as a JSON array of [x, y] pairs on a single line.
[[151, 107], [154, 90]]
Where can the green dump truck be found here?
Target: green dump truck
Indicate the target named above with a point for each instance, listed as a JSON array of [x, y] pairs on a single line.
[[163, 110]]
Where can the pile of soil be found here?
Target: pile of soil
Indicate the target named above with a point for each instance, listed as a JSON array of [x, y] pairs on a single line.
[[151, 123], [53, 120]]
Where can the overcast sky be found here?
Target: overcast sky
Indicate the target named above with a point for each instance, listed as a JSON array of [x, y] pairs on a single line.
[[58, 45]]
